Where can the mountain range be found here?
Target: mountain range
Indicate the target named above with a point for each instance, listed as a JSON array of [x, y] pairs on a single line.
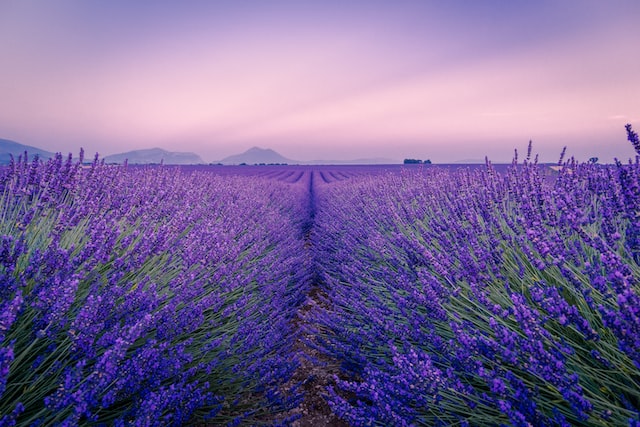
[[10, 148], [257, 155], [155, 155], [254, 155]]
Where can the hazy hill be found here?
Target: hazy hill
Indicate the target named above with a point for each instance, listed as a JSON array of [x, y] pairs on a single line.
[[266, 155], [256, 155], [8, 147], [155, 155]]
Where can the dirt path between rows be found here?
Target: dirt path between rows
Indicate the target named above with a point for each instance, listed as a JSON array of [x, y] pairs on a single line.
[[316, 370]]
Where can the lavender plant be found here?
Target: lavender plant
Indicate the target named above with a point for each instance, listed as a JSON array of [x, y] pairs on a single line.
[[633, 138], [146, 295], [453, 296], [474, 297]]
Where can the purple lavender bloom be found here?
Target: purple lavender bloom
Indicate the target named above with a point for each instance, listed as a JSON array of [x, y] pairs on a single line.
[[6, 357], [633, 138]]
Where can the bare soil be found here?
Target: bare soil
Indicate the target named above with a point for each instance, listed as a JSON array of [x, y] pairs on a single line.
[[316, 371]]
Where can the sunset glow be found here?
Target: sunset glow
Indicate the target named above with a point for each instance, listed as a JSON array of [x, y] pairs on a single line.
[[321, 80]]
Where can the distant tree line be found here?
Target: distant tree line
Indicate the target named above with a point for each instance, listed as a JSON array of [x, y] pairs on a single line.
[[416, 162]]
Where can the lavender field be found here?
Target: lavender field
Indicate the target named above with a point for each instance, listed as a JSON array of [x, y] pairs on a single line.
[[160, 295]]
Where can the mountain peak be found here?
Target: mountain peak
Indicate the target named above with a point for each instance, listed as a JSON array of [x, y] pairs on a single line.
[[256, 155]]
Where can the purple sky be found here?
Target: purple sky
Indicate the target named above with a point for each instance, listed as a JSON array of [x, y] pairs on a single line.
[[445, 80]]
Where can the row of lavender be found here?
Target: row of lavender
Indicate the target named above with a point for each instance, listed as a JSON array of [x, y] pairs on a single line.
[[146, 295], [474, 297]]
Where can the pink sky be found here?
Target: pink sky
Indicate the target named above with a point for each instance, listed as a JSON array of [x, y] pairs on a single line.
[[322, 80]]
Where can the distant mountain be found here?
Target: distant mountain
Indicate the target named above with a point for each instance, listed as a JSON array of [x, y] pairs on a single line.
[[155, 155], [256, 155], [8, 148]]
